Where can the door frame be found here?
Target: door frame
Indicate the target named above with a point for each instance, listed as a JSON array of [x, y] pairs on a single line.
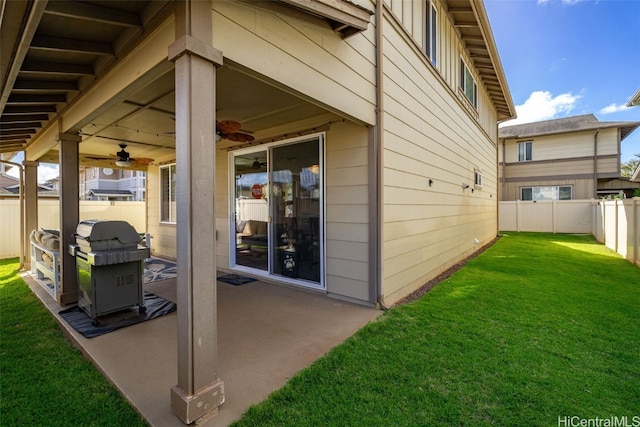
[[268, 274]]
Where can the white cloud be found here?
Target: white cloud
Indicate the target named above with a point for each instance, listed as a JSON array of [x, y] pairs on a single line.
[[541, 105], [613, 108], [47, 172]]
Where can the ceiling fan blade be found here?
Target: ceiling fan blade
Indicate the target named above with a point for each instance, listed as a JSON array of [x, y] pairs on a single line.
[[142, 161], [240, 137], [228, 126]]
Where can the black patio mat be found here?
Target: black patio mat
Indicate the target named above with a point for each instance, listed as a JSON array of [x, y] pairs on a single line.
[[156, 306], [235, 279]]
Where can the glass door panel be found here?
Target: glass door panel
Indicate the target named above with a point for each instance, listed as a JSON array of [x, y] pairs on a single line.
[[295, 209], [252, 210]]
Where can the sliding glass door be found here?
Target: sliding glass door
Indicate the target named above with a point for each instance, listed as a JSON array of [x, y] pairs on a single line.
[[279, 211]]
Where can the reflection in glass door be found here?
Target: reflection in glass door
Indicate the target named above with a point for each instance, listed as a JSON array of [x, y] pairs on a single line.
[[252, 210], [295, 190], [278, 206]]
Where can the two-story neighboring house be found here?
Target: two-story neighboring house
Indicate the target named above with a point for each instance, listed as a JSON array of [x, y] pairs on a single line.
[[563, 159], [112, 184]]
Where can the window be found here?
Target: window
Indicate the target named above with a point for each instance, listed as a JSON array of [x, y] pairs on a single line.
[[468, 84], [477, 178], [564, 192], [431, 32], [168, 193], [525, 151]]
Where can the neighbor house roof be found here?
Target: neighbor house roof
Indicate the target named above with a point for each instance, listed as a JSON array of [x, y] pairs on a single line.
[[635, 99], [636, 174], [568, 124], [99, 192]]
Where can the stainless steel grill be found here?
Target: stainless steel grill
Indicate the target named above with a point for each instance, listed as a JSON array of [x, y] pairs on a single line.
[[110, 266]]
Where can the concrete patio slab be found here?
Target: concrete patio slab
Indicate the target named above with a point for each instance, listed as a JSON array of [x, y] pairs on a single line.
[[266, 334]]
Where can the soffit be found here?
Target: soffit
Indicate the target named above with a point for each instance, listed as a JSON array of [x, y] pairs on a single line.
[[471, 21], [344, 17]]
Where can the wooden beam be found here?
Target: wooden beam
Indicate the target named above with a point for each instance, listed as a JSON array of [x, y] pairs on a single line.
[[93, 13], [61, 44], [44, 86], [55, 68]]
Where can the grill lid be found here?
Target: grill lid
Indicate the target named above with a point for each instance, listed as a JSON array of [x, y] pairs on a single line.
[[96, 234]]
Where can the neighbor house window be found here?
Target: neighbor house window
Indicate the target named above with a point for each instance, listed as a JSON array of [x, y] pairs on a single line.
[[562, 192], [468, 84], [477, 178], [525, 151], [168, 193], [431, 32]]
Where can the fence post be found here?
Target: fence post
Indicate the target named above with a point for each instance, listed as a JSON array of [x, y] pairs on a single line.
[[518, 215], [554, 226]]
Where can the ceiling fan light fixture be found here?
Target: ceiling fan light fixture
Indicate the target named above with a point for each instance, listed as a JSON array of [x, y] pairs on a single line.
[[123, 163]]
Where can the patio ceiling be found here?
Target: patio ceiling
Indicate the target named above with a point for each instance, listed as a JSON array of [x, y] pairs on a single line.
[[52, 53]]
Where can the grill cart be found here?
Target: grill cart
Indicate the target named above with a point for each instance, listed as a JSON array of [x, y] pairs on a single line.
[[110, 266]]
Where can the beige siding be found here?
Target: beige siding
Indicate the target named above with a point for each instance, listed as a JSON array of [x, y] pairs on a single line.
[[163, 240], [347, 211], [305, 57], [583, 166], [566, 146], [430, 135], [562, 159], [582, 188], [409, 15], [223, 214]]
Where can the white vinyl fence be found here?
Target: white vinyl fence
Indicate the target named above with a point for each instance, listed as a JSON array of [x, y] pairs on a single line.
[[49, 217], [615, 223]]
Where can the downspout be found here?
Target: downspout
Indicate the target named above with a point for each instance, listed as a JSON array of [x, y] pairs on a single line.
[[595, 164], [377, 158], [21, 201]]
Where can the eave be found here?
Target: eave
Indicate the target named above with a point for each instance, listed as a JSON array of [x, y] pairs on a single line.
[[472, 23]]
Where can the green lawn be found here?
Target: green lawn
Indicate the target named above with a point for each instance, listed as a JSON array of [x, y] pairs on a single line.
[[538, 327], [44, 380]]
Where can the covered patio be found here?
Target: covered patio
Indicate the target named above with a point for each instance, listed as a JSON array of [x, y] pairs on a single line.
[[266, 333], [144, 85]]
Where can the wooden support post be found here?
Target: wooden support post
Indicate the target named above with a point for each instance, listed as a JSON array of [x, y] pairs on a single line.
[[31, 205], [199, 391], [69, 216]]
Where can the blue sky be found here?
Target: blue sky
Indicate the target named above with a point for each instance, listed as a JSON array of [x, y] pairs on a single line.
[[569, 57]]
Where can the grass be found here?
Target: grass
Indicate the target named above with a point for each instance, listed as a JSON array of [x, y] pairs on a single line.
[[44, 380], [538, 327]]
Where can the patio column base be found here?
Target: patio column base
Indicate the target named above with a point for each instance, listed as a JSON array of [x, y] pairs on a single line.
[[205, 402], [67, 298]]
